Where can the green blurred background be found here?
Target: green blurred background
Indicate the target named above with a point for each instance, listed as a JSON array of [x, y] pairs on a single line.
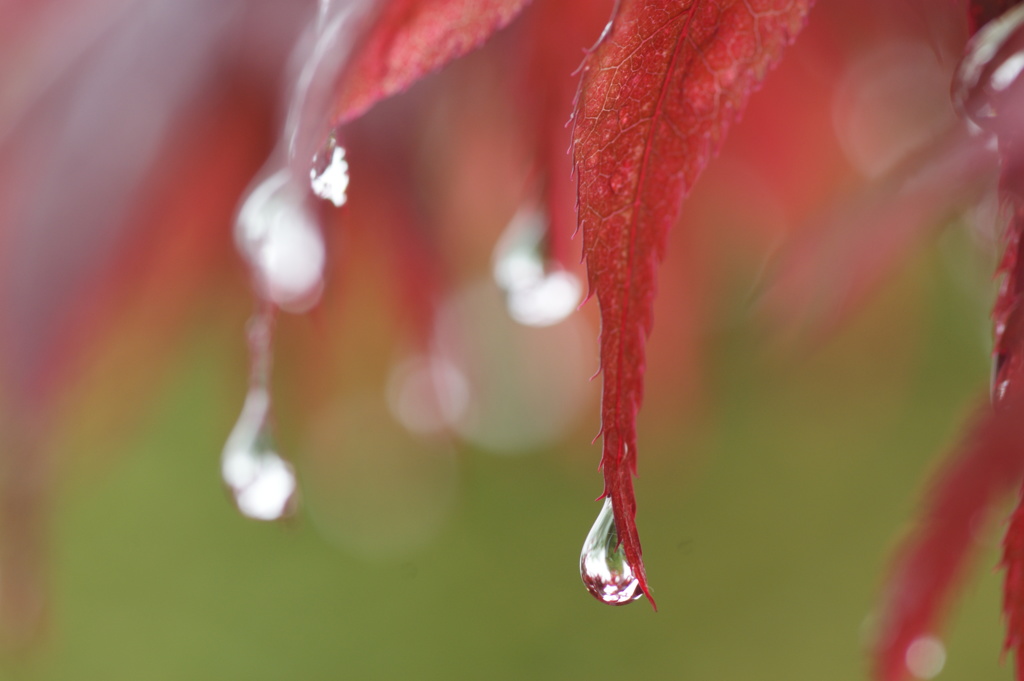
[[767, 521]]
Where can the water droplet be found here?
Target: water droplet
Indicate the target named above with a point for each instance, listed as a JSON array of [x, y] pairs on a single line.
[[603, 566], [999, 385], [890, 101], [985, 87], [527, 386], [260, 481], [280, 238], [371, 485], [537, 293], [329, 175], [925, 657], [428, 394]]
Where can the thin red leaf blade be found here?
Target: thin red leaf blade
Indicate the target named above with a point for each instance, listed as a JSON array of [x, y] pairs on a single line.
[[1013, 587], [933, 559], [1007, 379], [412, 38], [657, 96], [831, 269]]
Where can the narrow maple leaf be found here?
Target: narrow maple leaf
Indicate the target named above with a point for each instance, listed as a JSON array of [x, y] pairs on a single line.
[[870, 235], [1008, 365], [933, 559], [410, 39], [1013, 587], [657, 96]]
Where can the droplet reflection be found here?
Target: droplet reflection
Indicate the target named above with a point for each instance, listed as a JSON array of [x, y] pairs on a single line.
[[603, 566], [260, 481], [329, 175], [985, 90]]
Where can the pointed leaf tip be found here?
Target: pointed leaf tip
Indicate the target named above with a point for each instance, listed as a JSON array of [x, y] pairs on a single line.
[[657, 95]]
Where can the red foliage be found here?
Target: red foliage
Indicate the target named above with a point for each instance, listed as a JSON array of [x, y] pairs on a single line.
[[931, 562], [1013, 590], [410, 39], [658, 94], [659, 91], [991, 462], [1008, 351]]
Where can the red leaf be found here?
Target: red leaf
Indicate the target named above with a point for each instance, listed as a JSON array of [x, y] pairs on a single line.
[[555, 39], [831, 269], [1008, 311], [983, 11], [411, 38], [1007, 378], [1013, 587], [657, 96], [932, 560]]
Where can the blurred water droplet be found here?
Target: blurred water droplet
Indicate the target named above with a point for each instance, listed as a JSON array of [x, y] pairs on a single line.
[[329, 175], [537, 293], [371, 486], [890, 101], [926, 657], [261, 482], [427, 394], [603, 566], [986, 90], [280, 237], [527, 385]]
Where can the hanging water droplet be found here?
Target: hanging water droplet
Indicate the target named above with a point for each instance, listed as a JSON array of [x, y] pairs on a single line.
[[537, 293], [329, 175], [603, 566], [986, 90], [280, 237], [260, 481]]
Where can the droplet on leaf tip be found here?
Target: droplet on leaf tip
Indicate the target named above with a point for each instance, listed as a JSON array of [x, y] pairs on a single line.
[[603, 566], [262, 484], [329, 175]]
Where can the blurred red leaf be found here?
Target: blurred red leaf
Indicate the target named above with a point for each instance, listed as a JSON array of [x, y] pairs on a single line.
[[658, 94], [870, 235], [932, 560], [411, 38], [1013, 588]]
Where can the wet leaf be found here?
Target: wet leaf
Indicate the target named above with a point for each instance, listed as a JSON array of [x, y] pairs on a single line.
[[658, 94]]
